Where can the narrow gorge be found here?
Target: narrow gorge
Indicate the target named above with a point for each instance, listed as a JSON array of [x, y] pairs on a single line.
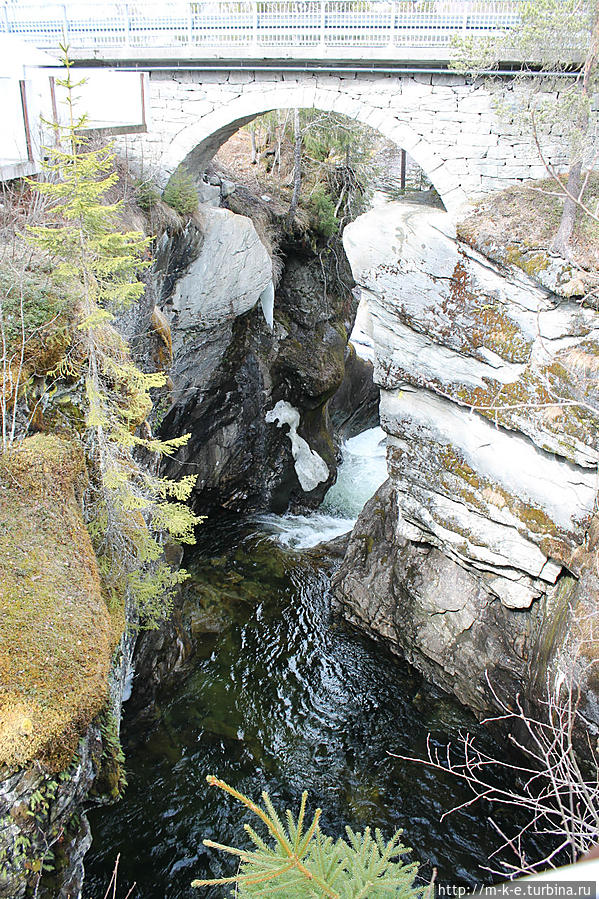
[[392, 445]]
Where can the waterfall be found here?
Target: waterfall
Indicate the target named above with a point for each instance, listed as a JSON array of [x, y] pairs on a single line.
[[362, 470]]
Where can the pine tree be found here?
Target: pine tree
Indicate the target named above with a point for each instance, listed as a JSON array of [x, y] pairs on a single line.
[[302, 863], [97, 264]]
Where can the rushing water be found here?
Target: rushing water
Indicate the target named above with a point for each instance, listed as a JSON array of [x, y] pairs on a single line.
[[363, 470], [283, 697]]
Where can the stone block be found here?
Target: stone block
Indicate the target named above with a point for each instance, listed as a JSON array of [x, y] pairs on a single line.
[[476, 103], [241, 76], [477, 139], [211, 77], [448, 80], [411, 89], [268, 76]]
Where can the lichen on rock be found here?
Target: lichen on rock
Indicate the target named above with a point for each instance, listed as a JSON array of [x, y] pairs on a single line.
[[489, 397]]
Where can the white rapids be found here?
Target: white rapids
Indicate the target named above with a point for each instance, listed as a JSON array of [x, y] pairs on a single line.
[[362, 471]]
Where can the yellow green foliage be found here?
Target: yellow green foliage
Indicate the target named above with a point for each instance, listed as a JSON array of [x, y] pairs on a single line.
[[98, 264], [56, 634], [296, 860]]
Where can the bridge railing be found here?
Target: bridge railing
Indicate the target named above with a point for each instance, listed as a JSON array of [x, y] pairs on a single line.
[[219, 24]]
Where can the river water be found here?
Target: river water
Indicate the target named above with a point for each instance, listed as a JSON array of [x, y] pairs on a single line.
[[283, 697]]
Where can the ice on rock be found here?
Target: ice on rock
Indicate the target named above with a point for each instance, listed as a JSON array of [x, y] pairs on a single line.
[[311, 469]]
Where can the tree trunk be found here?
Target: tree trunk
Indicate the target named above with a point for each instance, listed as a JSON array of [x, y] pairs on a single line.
[[254, 150], [561, 241], [297, 168]]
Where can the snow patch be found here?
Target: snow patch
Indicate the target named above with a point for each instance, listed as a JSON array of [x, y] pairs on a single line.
[[311, 469]]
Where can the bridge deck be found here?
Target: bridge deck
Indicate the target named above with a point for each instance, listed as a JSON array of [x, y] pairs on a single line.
[[257, 29]]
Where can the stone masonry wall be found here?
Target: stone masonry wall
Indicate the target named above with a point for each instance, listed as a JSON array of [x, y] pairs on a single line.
[[446, 122]]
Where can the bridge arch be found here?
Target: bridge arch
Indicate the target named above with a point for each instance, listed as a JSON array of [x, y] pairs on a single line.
[[196, 143], [447, 122]]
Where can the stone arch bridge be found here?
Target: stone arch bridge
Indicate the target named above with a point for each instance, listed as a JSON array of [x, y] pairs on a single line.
[[447, 122], [210, 66]]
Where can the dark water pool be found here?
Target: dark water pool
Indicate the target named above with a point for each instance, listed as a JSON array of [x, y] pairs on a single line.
[[281, 697]]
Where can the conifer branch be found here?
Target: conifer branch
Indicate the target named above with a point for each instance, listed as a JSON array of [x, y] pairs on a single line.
[[312, 865], [97, 264]]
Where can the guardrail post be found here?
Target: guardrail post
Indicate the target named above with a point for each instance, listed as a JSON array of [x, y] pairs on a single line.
[[189, 24], [393, 18], [255, 23], [65, 26], [322, 21], [127, 24]]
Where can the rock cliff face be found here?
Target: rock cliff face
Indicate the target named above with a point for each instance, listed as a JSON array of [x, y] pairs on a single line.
[[62, 650], [233, 362], [440, 615], [252, 374], [488, 395], [238, 355]]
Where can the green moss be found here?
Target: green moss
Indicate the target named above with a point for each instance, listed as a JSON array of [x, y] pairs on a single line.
[[454, 463], [480, 323], [111, 780], [535, 398], [57, 637], [479, 493], [532, 263], [502, 335], [535, 519]]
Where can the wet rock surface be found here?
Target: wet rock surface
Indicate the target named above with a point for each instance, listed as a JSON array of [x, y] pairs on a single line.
[[27, 842], [230, 367], [44, 831], [355, 406]]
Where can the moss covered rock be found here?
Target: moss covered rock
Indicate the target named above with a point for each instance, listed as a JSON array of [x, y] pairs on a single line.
[[57, 636]]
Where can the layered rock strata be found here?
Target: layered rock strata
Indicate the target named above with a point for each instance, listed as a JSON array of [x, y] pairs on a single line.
[[489, 399]]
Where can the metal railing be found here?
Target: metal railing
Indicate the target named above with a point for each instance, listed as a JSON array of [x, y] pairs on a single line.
[[216, 24]]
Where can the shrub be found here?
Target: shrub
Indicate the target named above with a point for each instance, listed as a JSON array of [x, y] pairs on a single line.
[[322, 211], [180, 193], [146, 195]]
